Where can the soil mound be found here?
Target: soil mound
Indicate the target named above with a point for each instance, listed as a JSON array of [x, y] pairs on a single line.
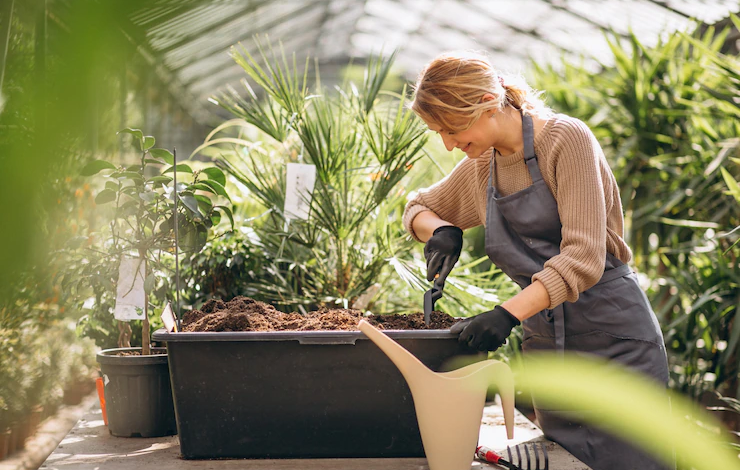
[[245, 314]]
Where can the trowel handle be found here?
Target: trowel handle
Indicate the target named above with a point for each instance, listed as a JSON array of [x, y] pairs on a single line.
[[436, 291]]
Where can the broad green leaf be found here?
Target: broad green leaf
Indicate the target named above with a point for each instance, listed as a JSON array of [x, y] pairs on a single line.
[[215, 217], [160, 179], [132, 175], [148, 196], [149, 283], [138, 135], [134, 132], [216, 175], [105, 196], [96, 167], [181, 168], [163, 154], [191, 203], [200, 187], [228, 213], [148, 142], [216, 188]]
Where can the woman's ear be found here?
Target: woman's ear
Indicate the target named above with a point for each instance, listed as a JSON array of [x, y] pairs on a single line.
[[488, 97]]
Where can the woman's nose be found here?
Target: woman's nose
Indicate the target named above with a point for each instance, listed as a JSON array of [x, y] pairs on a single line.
[[449, 142]]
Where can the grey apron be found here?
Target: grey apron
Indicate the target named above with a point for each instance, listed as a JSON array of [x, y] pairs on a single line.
[[612, 319]]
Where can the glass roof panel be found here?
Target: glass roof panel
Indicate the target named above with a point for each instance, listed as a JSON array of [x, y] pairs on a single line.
[[193, 38]]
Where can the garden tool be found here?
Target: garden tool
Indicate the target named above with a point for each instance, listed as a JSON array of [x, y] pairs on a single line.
[[449, 405], [430, 298], [516, 460]]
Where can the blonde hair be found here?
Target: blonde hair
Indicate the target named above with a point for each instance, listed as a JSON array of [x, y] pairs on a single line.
[[448, 91]]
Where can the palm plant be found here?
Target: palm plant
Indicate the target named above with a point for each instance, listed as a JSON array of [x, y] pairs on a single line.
[[362, 143]]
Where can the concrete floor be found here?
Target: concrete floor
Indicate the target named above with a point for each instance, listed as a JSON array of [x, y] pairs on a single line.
[[89, 446]]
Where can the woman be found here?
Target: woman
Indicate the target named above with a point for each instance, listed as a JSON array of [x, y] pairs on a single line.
[[550, 204]]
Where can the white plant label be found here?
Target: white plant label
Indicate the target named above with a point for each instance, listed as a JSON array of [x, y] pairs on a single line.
[[168, 317], [130, 295], [298, 188]]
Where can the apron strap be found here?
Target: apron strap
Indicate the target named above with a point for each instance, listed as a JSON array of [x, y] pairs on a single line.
[[490, 168], [529, 156]]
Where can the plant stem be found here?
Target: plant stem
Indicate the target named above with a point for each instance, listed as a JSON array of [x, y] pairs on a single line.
[[145, 341]]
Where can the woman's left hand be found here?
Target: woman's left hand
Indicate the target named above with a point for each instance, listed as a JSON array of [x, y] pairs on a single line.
[[487, 331]]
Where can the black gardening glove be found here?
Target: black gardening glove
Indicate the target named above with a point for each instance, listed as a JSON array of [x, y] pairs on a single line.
[[487, 331], [442, 252]]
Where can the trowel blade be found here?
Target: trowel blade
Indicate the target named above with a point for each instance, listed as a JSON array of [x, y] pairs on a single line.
[[428, 307]]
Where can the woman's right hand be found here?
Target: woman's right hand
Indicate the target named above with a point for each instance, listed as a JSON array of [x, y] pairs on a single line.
[[442, 251]]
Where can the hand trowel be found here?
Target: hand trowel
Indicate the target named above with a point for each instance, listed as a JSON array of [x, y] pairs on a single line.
[[430, 298]]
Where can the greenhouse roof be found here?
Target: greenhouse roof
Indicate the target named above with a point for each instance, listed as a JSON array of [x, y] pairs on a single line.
[[192, 39]]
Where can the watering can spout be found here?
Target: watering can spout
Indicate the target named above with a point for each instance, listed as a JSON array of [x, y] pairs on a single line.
[[449, 405]]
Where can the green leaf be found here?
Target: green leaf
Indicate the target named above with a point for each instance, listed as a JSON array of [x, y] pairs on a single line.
[[181, 168], [112, 185], [96, 167], [216, 188], [148, 196], [215, 217], [164, 155], [191, 203], [149, 283], [105, 196], [134, 132], [228, 213], [138, 135], [215, 174], [148, 142], [731, 184], [200, 187], [132, 175], [159, 179]]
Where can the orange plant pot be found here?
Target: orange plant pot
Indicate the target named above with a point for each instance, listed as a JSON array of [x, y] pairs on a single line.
[[101, 396]]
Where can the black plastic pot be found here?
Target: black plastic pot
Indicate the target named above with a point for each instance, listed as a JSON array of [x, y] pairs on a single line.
[[290, 394], [138, 396]]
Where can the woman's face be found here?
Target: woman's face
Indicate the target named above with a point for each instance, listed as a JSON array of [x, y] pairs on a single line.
[[477, 139], [474, 141]]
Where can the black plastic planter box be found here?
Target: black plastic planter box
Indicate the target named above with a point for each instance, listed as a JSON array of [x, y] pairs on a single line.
[[298, 394]]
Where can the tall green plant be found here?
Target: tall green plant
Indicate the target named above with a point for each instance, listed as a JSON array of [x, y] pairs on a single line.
[[142, 224], [362, 142], [666, 117]]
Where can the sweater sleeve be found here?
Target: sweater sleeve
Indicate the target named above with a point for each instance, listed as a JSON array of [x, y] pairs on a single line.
[[577, 158], [451, 198]]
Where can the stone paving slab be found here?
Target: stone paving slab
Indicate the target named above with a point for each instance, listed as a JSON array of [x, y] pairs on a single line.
[[89, 446]]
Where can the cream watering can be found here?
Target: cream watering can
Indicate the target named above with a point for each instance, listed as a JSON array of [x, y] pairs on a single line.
[[449, 405]]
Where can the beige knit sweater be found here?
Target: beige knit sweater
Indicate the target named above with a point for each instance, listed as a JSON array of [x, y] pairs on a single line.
[[576, 172]]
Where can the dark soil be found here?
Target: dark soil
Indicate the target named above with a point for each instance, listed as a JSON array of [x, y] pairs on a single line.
[[245, 314], [128, 353]]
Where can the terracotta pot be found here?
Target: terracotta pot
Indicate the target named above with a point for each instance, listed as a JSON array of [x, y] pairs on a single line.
[[74, 394], [13, 445], [35, 418], [24, 432], [4, 443]]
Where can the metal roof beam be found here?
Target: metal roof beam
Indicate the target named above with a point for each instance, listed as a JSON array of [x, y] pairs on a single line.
[[206, 53], [663, 4], [557, 4], [209, 29], [172, 14], [531, 33]]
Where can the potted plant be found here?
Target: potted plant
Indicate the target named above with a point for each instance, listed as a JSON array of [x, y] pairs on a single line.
[[295, 394], [138, 243]]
